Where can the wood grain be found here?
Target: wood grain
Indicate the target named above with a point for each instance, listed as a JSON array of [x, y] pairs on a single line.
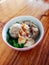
[[40, 54]]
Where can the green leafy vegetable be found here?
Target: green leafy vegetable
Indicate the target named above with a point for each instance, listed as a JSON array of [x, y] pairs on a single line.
[[13, 41], [21, 45], [15, 44]]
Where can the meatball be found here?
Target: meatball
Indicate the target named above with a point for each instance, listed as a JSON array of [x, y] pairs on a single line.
[[35, 32], [14, 30]]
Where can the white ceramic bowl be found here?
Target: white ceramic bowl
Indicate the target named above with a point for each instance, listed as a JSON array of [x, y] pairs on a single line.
[[23, 18]]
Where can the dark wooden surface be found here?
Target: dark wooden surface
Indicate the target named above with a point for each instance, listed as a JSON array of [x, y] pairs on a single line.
[[40, 54]]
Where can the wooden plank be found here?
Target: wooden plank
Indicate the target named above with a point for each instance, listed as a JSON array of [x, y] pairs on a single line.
[[40, 54], [11, 62]]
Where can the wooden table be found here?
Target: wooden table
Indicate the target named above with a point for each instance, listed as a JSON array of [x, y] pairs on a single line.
[[40, 54]]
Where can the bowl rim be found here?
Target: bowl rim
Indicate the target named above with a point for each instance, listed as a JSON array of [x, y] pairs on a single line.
[[26, 48]]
